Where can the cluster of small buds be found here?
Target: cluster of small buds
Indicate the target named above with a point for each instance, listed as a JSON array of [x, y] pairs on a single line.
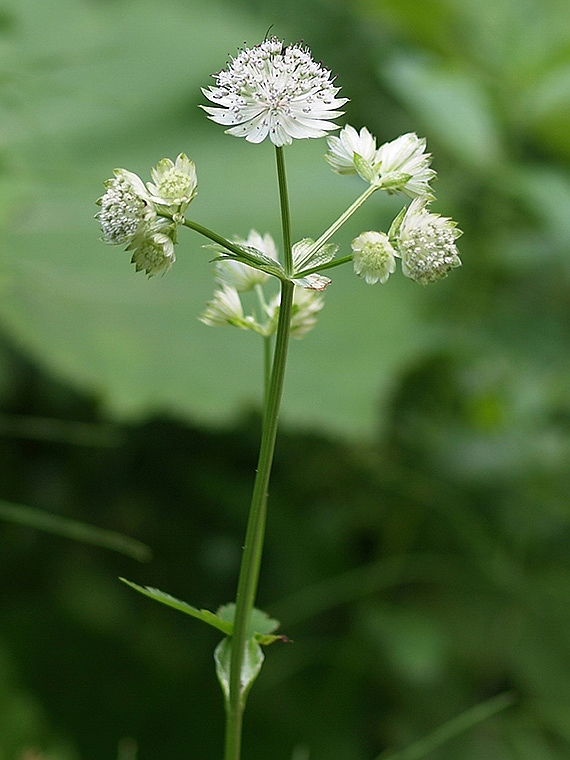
[[144, 218], [175, 184], [373, 256], [424, 242], [126, 208], [280, 92], [234, 277]]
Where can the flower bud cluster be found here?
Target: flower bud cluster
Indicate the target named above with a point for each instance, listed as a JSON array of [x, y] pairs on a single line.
[[145, 218], [279, 92], [425, 242]]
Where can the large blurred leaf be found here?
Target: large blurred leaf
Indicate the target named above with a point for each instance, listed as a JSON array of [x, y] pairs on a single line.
[[118, 85]]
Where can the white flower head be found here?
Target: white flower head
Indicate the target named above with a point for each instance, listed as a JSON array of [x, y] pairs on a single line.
[[241, 276], [404, 166], [373, 257], [153, 253], [224, 309], [126, 208], [175, 183], [274, 91], [426, 243], [305, 308], [352, 152]]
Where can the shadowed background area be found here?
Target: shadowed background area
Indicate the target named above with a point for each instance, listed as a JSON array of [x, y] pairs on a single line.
[[419, 524]]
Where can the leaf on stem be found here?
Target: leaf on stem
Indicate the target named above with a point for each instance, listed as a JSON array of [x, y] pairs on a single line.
[[252, 662], [260, 629], [261, 626], [249, 256], [204, 615]]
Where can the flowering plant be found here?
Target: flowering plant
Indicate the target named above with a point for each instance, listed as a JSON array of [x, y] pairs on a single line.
[[280, 93]]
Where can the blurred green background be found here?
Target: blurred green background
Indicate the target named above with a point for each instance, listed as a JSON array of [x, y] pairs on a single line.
[[419, 527]]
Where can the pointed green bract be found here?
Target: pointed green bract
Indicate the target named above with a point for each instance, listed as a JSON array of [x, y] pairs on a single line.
[[204, 615], [251, 666], [261, 626]]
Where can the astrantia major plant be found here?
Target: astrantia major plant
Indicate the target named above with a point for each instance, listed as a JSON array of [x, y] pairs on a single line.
[[276, 92]]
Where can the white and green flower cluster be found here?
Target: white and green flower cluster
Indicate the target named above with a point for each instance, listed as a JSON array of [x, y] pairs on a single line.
[[278, 92], [144, 218], [274, 91], [424, 241], [236, 278]]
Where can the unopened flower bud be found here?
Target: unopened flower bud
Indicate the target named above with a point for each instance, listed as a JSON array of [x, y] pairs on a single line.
[[404, 166], [175, 183], [373, 257], [154, 254], [353, 152]]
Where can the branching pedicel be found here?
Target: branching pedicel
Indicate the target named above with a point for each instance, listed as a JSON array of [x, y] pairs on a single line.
[[281, 93]]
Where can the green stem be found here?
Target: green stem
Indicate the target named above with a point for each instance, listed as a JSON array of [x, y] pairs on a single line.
[[255, 534], [285, 213], [327, 234], [321, 267], [211, 235]]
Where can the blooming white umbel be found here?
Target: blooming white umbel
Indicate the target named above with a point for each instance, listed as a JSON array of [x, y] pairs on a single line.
[[404, 166], [175, 183], [426, 243], [401, 165], [373, 256], [274, 91], [224, 309], [348, 144], [126, 208]]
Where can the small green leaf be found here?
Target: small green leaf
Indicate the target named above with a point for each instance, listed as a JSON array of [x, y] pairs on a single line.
[[251, 666], [260, 623], [204, 615], [249, 256], [364, 168]]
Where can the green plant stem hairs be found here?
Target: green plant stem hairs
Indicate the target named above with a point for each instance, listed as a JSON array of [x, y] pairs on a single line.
[[276, 92]]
